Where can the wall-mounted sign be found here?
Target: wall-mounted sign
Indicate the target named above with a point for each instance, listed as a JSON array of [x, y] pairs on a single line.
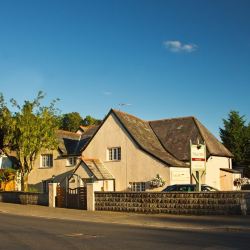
[[198, 157]]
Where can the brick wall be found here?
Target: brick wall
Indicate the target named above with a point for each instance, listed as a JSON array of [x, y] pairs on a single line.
[[24, 198], [203, 203]]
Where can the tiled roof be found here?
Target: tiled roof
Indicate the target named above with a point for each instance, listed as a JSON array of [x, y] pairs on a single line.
[[175, 135], [71, 143], [214, 147], [146, 139], [169, 140]]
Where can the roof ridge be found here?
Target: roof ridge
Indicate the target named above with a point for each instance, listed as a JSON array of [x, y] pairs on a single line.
[[125, 113], [66, 132], [174, 118]]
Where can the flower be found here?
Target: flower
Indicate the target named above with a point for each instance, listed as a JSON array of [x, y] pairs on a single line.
[[157, 182]]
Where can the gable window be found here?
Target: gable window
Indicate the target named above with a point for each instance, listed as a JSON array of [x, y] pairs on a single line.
[[71, 161], [46, 161], [138, 186], [114, 154]]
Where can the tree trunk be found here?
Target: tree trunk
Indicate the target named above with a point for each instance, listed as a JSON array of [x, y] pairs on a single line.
[[24, 182]]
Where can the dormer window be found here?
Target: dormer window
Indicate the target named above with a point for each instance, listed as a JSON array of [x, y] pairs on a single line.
[[114, 154], [71, 161]]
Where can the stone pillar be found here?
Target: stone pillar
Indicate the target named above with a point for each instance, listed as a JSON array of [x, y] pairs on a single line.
[[52, 194], [90, 197]]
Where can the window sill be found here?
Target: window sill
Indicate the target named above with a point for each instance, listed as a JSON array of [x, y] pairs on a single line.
[[45, 167]]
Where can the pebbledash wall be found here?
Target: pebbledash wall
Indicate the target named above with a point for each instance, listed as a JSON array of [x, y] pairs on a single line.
[[25, 198], [204, 203]]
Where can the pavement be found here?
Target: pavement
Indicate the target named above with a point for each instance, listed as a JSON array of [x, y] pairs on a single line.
[[167, 221]]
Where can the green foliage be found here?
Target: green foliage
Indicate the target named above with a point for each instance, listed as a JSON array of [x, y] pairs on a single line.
[[71, 121], [89, 120], [236, 137], [29, 130]]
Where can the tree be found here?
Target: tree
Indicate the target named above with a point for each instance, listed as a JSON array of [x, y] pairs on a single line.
[[236, 137], [28, 131], [71, 121], [89, 120]]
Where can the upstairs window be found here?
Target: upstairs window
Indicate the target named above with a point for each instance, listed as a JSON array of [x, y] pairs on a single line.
[[114, 154], [71, 161], [46, 161]]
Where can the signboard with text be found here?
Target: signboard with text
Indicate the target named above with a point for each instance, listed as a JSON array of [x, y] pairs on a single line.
[[198, 157]]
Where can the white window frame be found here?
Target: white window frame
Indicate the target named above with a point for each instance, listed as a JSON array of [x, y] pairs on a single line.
[[114, 154], [46, 161], [138, 186], [71, 161]]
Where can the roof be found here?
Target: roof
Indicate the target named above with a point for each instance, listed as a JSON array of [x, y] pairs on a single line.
[[168, 140], [97, 168], [146, 139], [175, 135], [71, 143], [233, 171]]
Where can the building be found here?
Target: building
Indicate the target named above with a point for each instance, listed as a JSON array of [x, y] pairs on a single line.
[[135, 151], [126, 153], [56, 165]]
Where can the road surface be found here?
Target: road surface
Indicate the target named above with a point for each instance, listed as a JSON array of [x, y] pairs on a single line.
[[20, 232]]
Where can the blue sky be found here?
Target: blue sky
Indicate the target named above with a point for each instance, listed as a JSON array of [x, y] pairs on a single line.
[[165, 58]]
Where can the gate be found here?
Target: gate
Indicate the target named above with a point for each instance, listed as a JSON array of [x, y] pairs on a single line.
[[71, 197]]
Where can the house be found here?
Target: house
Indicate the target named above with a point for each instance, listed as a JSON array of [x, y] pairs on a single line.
[[56, 165], [134, 152]]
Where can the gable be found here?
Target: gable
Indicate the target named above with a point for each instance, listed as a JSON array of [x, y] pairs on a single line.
[[141, 134]]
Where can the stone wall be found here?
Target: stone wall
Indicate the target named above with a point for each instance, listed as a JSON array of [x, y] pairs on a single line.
[[204, 203], [25, 198]]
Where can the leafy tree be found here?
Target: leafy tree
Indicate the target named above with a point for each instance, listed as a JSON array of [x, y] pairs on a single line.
[[236, 137], [71, 121], [89, 120], [28, 131]]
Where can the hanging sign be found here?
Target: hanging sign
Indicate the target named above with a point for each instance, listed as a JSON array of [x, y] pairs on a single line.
[[198, 157]]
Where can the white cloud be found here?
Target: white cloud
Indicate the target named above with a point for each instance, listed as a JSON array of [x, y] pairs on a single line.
[[177, 46]]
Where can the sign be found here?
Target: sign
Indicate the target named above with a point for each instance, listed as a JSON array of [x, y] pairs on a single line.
[[180, 176], [198, 157]]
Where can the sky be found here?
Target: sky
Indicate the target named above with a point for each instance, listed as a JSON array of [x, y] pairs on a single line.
[[162, 59]]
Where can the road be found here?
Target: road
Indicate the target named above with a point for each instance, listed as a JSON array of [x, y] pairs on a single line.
[[21, 232]]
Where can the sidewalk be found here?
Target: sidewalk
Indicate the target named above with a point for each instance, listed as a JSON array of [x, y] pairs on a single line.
[[180, 222]]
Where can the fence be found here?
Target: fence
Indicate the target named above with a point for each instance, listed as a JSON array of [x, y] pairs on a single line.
[[204, 203]]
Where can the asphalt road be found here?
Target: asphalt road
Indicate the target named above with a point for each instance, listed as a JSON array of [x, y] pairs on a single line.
[[20, 232]]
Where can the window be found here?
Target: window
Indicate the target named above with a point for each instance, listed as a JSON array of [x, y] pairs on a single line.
[[114, 154], [138, 186], [46, 161], [71, 161]]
